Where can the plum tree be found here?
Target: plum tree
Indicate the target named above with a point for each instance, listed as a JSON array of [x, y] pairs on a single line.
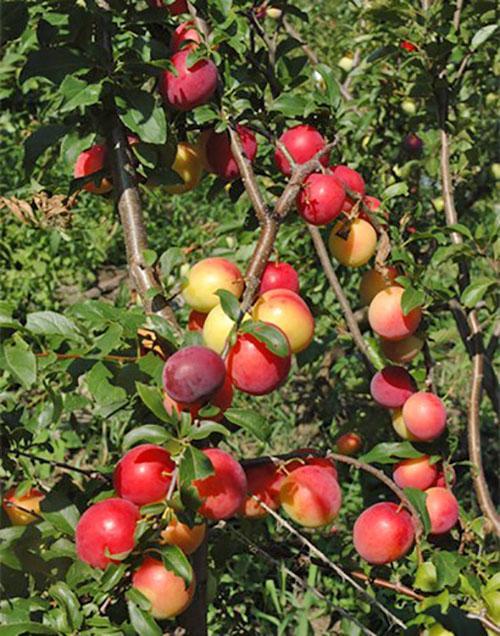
[[187, 538], [279, 275], [188, 165], [392, 386], [254, 368], [383, 533], [416, 472], [220, 157], [193, 374], [424, 415], [224, 492], [18, 508], [320, 199], [264, 481], [208, 276], [286, 310], [143, 475], [166, 591], [105, 529], [374, 281], [442, 507], [353, 243], [311, 496], [386, 316], [190, 86], [302, 142]]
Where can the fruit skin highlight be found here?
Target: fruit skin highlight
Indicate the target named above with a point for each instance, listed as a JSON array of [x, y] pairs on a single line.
[[353, 243], [311, 496], [165, 590], [107, 526], [224, 492], [383, 533], [386, 317]]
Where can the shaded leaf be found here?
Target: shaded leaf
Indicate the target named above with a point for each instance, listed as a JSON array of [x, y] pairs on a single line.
[[194, 465], [390, 452], [153, 399], [250, 421], [175, 560], [151, 433], [274, 339]]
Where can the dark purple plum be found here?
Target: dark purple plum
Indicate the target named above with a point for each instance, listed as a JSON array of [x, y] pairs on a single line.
[[193, 374]]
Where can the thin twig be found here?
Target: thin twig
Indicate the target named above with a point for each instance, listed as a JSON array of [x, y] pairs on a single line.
[[91, 474], [336, 568], [76, 356]]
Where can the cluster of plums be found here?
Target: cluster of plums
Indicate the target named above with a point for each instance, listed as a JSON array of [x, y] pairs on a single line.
[[306, 488]]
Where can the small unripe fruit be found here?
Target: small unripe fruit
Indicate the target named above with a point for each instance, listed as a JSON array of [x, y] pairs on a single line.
[[279, 276], [353, 243], [409, 106], [105, 529], [274, 13], [166, 591], [311, 496], [224, 492], [191, 86], [320, 199], [373, 281], [392, 386], [287, 311], [208, 276], [383, 533], [415, 473], [386, 317], [424, 415], [349, 444], [442, 507], [438, 204], [188, 165], [303, 143], [346, 63], [193, 374], [29, 502], [183, 536], [253, 368]]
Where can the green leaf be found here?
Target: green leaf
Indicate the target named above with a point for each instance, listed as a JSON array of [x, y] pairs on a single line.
[[142, 621], [461, 229], [448, 566], [482, 35], [390, 453], [332, 86], [67, 599], [50, 323], [274, 339], [194, 465], [426, 577], [250, 421], [112, 575], [64, 519], [38, 142], [21, 362], [25, 627], [153, 399], [78, 93], [206, 428], [175, 560], [141, 114], [418, 498], [170, 259], [229, 304], [148, 433], [395, 190], [54, 63], [474, 292], [289, 105], [411, 299]]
